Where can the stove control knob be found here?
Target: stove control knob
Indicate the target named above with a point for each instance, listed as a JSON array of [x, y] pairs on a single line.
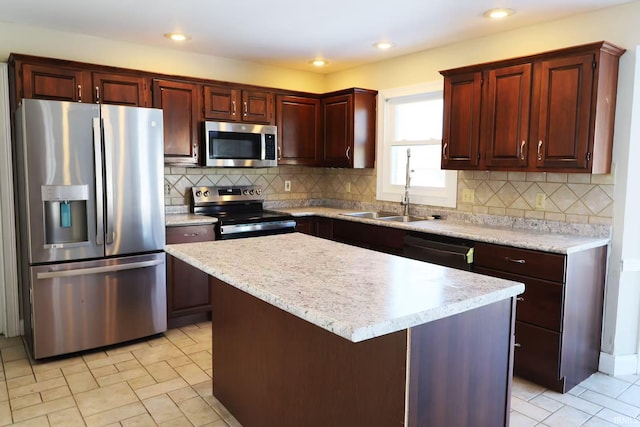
[[245, 192], [251, 191], [258, 191], [206, 193], [198, 193]]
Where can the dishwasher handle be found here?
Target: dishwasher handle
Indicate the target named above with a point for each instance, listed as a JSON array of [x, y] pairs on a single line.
[[450, 255]]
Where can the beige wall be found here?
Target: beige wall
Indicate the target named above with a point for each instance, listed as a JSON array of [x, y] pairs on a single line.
[[55, 44]]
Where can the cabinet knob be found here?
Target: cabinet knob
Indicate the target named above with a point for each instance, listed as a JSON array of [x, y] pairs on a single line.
[[520, 299], [517, 345], [444, 150], [540, 150]]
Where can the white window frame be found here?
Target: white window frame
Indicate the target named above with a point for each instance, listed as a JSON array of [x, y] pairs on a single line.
[[444, 197]]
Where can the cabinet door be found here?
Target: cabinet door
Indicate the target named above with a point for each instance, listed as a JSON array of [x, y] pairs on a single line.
[[298, 130], [179, 103], [306, 225], [56, 83], [338, 131], [187, 289], [220, 103], [461, 129], [564, 137], [257, 107], [506, 116], [120, 89]]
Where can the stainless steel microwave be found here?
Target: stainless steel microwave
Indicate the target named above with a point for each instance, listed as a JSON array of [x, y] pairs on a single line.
[[240, 145]]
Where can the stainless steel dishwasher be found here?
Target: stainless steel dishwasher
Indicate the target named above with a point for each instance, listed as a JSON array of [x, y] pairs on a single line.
[[452, 253]]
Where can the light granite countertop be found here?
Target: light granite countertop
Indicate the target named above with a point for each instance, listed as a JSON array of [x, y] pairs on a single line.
[[355, 293], [181, 219], [526, 239]]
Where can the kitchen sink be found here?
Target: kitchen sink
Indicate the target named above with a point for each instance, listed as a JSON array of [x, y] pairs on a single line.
[[371, 215], [389, 216], [402, 218]]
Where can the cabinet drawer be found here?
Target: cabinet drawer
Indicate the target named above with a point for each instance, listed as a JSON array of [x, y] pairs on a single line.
[[190, 233], [521, 261], [541, 302], [537, 354]]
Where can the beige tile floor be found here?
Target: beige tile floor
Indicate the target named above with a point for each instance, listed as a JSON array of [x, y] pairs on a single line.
[[166, 381]]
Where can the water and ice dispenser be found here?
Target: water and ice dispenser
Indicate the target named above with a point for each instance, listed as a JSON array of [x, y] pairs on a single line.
[[65, 215]]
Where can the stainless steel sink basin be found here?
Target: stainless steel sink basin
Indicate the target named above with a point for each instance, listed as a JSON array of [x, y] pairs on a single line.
[[371, 215], [389, 216], [402, 218]]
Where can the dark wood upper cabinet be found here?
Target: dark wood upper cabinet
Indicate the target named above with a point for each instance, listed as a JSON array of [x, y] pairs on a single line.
[[120, 89], [507, 116], [179, 103], [221, 103], [299, 137], [229, 104], [55, 83], [551, 112], [257, 107], [563, 132], [461, 131], [349, 128]]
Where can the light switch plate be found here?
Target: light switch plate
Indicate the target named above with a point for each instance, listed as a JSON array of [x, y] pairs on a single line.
[[287, 186], [468, 195], [541, 199]]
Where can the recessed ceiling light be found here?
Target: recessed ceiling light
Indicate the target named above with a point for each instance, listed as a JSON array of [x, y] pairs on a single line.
[[498, 13], [177, 37], [319, 62], [383, 45]]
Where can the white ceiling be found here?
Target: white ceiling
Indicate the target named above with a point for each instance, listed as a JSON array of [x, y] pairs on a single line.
[[289, 33]]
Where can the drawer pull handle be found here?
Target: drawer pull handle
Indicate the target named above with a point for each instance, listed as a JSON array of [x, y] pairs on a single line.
[[190, 234], [517, 261], [539, 150], [519, 298], [522, 145], [518, 345]]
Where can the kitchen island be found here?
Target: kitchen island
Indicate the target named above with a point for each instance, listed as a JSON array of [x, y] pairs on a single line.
[[312, 332]]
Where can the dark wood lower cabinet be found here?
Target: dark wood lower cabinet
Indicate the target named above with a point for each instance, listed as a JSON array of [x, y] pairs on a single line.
[[382, 239], [188, 291], [271, 368], [559, 325], [315, 226]]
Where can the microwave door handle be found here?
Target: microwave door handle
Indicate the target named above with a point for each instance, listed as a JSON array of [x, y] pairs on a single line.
[[108, 173], [97, 149]]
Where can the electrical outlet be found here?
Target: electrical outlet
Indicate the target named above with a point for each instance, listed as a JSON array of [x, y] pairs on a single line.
[[468, 195], [167, 189], [347, 187], [541, 198], [287, 186]]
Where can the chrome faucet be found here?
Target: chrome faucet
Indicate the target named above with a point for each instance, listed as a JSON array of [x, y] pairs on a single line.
[[407, 185]]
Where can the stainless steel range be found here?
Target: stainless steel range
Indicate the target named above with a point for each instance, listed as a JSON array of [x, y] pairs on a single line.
[[240, 212]]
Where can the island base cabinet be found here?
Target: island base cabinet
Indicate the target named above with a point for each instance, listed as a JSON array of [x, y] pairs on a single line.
[[271, 368]]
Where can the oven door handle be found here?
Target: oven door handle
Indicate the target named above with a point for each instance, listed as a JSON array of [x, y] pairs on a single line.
[[258, 226]]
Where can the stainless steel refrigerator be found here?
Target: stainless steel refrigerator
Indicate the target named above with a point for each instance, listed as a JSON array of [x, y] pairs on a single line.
[[90, 210]]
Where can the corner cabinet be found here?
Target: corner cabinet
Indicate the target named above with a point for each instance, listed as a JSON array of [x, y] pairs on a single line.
[[179, 103], [299, 136], [559, 316], [349, 128], [551, 112], [188, 292]]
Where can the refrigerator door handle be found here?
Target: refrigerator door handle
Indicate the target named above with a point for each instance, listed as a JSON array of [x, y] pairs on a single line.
[[108, 173], [97, 149], [98, 270]]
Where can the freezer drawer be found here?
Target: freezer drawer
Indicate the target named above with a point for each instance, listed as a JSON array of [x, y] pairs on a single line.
[[83, 305]]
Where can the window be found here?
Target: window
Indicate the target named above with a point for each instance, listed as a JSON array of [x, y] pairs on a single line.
[[410, 130]]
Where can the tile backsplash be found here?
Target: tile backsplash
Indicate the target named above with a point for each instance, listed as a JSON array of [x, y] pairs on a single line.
[[568, 198]]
